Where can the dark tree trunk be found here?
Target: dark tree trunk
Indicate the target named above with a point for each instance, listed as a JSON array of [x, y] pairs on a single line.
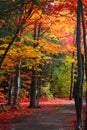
[[78, 88], [72, 75], [78, 93], [34, 79], [85, 47], [35, 86], [85, 50], [39, 85], [33, 89], [10, 92]]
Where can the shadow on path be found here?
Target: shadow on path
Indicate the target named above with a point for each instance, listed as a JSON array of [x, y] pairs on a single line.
[[56, 119]]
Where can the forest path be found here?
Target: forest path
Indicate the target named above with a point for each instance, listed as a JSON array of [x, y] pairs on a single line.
[[59, 118]]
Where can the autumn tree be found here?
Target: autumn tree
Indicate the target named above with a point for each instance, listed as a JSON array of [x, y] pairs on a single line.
[[78, 86], [23, 9]]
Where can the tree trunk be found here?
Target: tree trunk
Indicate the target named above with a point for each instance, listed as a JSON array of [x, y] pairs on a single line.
[[85, 50], [85, 47], [39, 85], [10, 92], [35, 87], [16, 87], [78, 92], [72, 72], [78, 88]]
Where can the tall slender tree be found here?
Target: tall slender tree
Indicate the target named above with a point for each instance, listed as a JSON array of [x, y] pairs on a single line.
[[17, 86], [78, 87], [35, 83], [85, 50]]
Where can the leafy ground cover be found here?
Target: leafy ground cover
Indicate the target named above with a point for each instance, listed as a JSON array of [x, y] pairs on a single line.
[[45, 103]]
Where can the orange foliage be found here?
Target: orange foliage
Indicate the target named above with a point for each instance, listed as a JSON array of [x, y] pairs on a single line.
[[53, 48]]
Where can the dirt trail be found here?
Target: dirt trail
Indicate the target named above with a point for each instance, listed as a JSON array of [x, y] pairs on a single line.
[[57, 119]]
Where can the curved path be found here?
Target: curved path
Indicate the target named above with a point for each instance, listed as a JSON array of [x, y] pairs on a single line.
[[57, 119]]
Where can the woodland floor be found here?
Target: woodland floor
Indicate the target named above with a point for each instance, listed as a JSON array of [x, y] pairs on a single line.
[[55, 114]]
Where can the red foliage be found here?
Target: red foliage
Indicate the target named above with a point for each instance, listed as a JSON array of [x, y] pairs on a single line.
[[48, 104]]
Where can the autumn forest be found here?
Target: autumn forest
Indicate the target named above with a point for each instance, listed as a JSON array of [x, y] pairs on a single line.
[[43, 53]]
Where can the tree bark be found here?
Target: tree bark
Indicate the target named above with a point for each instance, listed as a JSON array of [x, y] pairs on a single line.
[[71, 86], [33, 99], [85, 50], [35, 85], [10, 91], [16, 87], [78, 88]]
